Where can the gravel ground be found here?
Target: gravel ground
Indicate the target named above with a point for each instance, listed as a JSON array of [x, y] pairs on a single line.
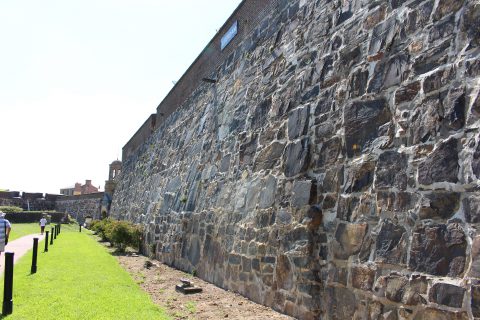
[[159, 281]]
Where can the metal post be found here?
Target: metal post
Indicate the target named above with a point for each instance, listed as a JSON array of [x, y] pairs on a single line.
[[8, 285], [55, 233], [34, 256], [59, 227], [51, 238], [80, 227], [46, 242]]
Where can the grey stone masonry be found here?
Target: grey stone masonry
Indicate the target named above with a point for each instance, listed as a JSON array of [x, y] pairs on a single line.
[[332, 171]]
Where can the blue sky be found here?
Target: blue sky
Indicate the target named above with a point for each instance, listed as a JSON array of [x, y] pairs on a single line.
[[78, 78]]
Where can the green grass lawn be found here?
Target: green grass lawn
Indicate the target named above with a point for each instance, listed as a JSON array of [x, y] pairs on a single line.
[[78, 279], [22, 229]]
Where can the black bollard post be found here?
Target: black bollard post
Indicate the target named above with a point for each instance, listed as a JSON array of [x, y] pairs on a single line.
[[34, 256], [80, 227], [59, 227], [8, 285], [46, 242], [55, 233], [51, 237]]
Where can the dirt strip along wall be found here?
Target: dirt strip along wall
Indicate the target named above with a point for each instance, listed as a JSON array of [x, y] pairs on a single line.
[[81, 206], [332, 170]]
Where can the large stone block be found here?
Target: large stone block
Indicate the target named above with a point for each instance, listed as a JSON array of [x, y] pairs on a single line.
[[446, 7], [391, 243], [330, 152], [268, 157], [296, 157], [400, 289], [438, 249], [349, 238], [359, 177], [441, 205], [362, 121], [475, 266], [284, 273], [301, 193], [298, 122], [391, 170], [435, 314], [476, 161], [441, 165], [447, 294], [475, 301], [362, 277], [341, 303]]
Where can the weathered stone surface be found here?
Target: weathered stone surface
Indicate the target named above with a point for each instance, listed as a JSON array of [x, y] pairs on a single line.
[[301, 193], [475, 301], [431, 59], [438, 249], [447, 294], [359, 177], [389, 73], [438, 79], [298, 122], [267, 196], [435, 314], [330, 152], [407, 93], [470, 24], [362, 277], [283, 272], [476, 162], [268, 157], [439, 205], [415, 291], [475, 266], [346, 206], [395, 288], [247, 151], [362, 120], [325, 171], [296, 157], [441, 165], [340, 303], [391, 170], [454, 105], [391, 243], [400, 289], [446, 7], [348, 239]]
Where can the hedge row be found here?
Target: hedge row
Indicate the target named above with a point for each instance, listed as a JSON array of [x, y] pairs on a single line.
[[121, 234], [10, 209]]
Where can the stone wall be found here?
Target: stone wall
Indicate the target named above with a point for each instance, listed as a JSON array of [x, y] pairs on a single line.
[[332, 170], [142, 134], [28, 201], [81, 206]]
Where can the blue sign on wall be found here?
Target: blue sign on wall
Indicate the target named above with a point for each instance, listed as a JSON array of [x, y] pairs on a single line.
[[231, 33]]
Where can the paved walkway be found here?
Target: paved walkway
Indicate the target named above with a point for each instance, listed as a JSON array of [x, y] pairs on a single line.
[[20, 246]]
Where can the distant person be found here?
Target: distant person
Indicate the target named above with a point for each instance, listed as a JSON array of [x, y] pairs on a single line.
[[5, 228], [43, 223]]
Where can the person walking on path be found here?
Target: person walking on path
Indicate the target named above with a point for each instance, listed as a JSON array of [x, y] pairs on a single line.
[[43, 223], [5, 228]]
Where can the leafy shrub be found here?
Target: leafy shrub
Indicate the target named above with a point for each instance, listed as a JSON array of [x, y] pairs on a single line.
[[99, 227], [120, 233], [10, 209]]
